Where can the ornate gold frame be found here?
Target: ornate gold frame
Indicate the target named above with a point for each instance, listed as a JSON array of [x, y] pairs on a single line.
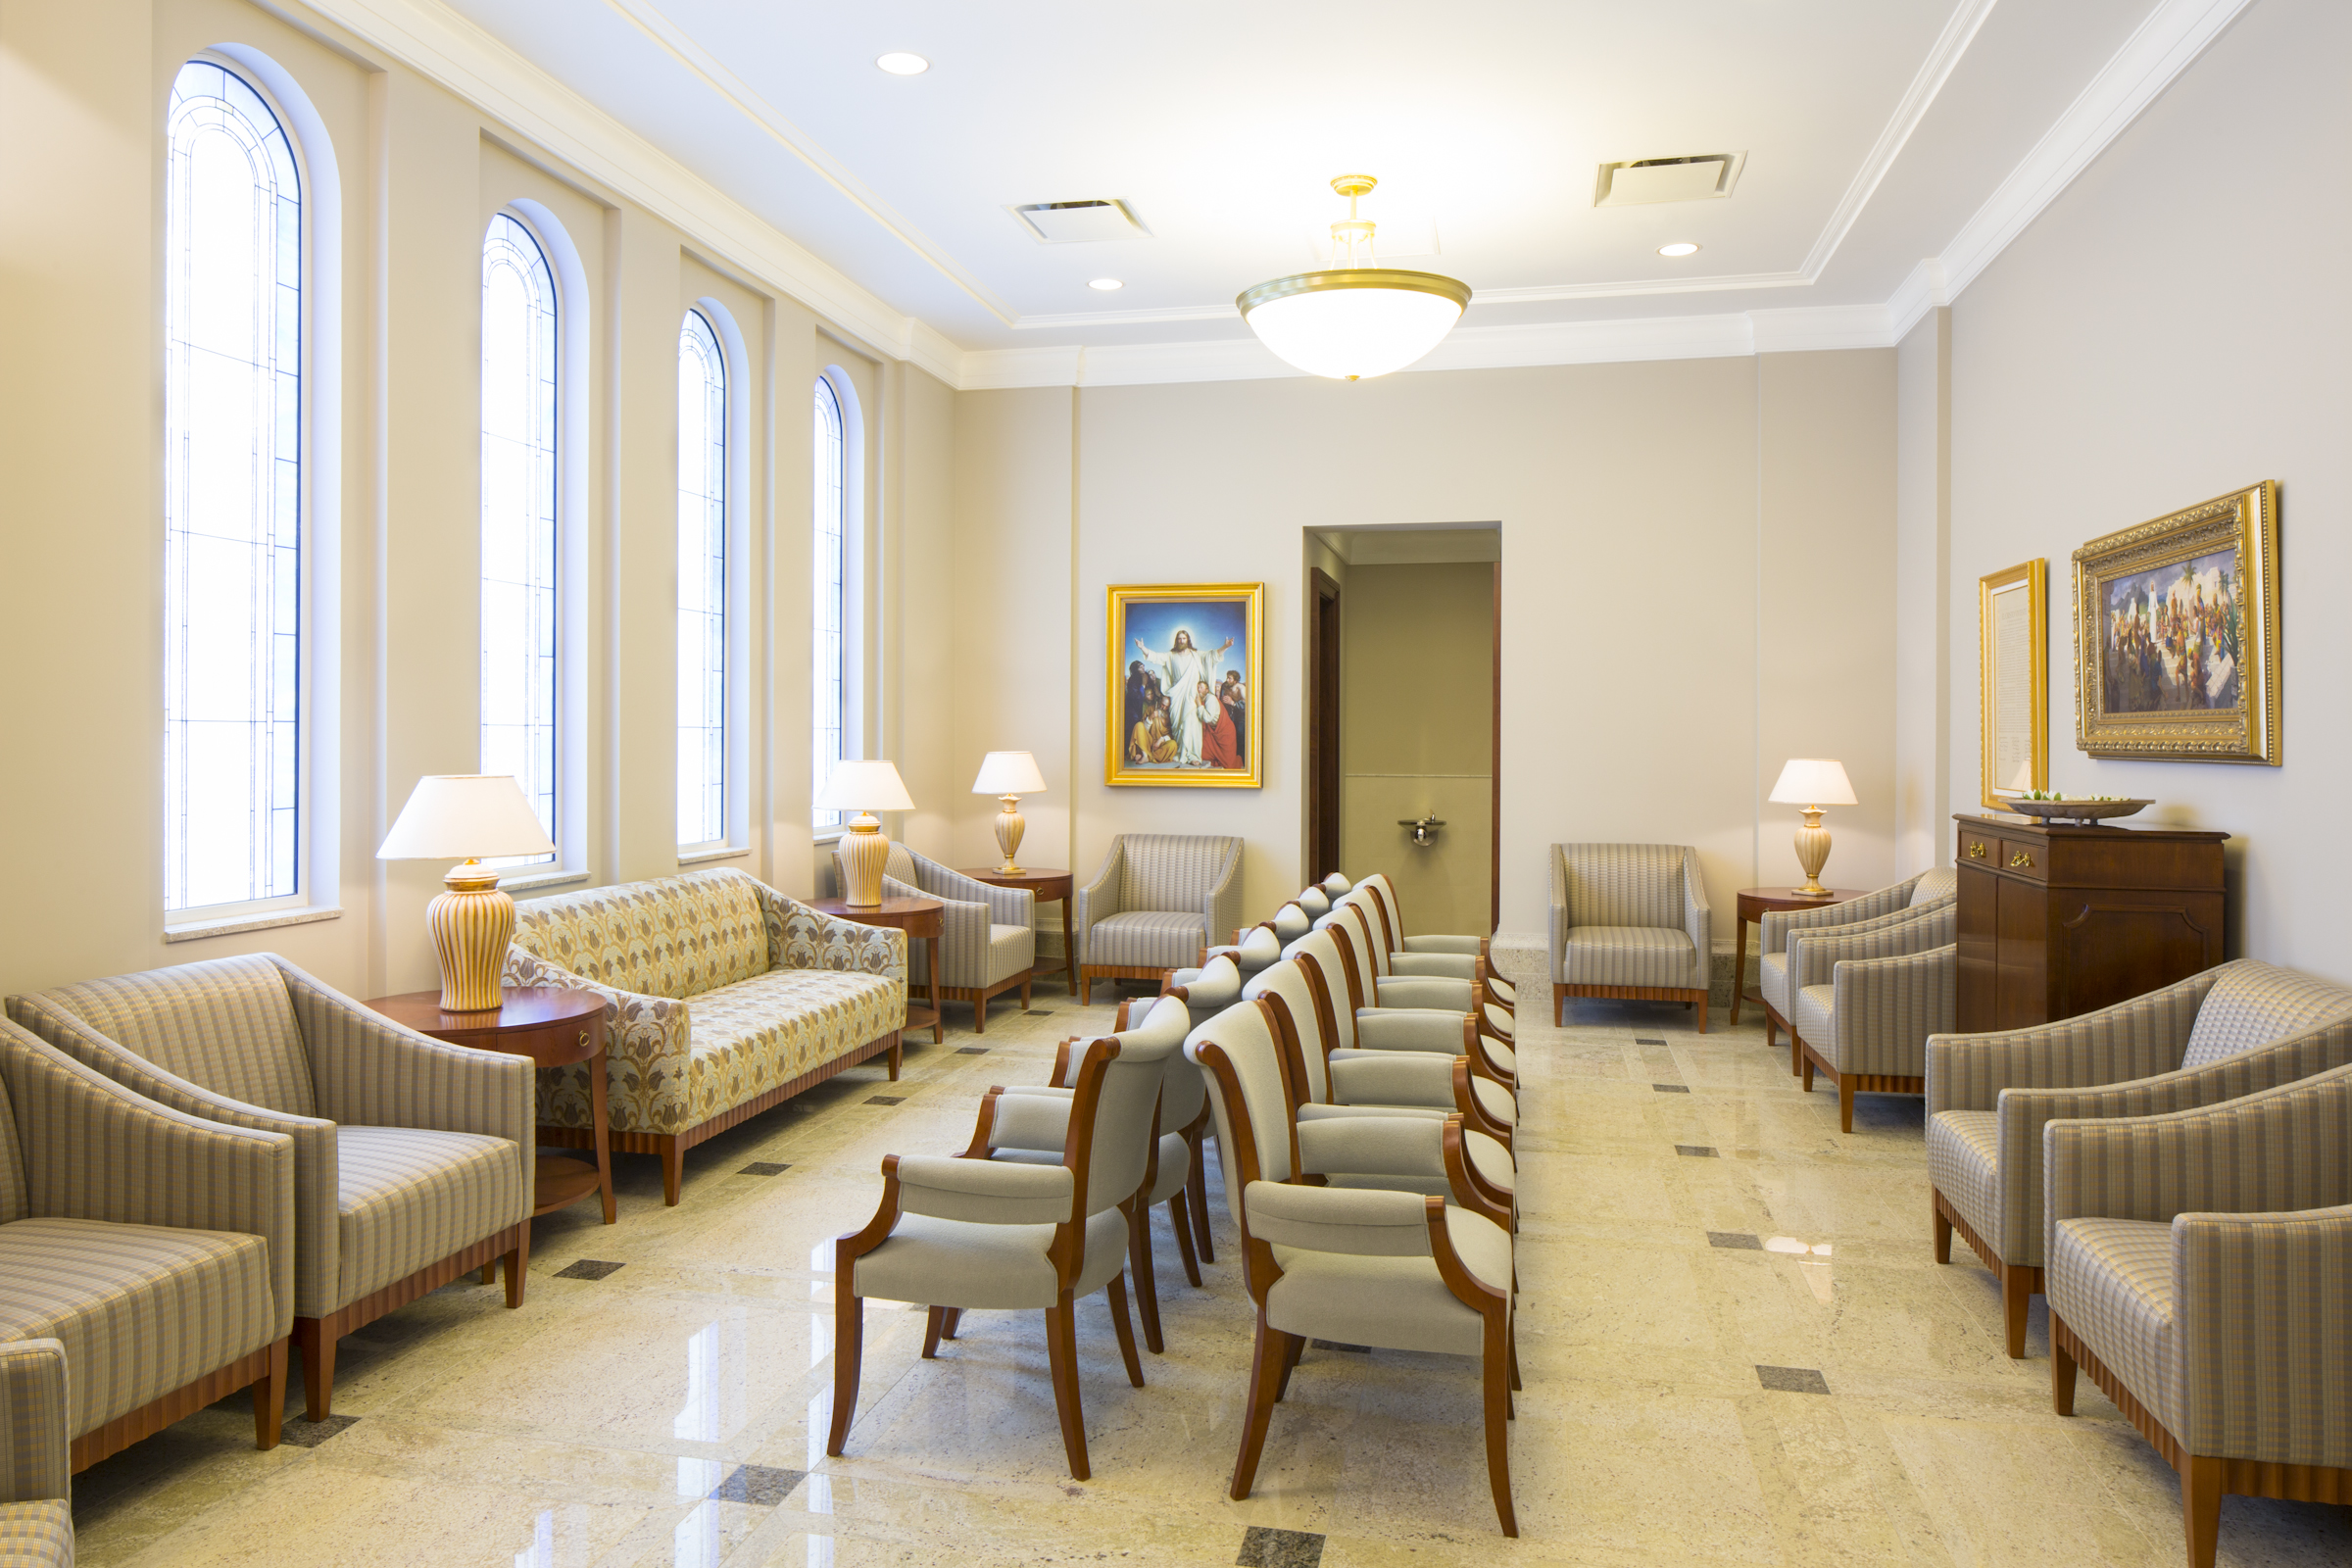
[[2247, 518], [1253, 597], [2032, 579]]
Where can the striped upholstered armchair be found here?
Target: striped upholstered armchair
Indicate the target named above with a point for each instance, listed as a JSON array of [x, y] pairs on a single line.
[[2231, 1031], [36, 1512], [988, 937], [1158, 901], [1867, 998], [412, 1159], [2196, 1272], [1889, 904], [1629, 921]]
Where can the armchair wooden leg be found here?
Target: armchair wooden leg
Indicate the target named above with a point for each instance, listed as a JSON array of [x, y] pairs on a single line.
[[518, 1259], [1769, 1033], [932, 1320], [1061, 1354], [2017, 1296], [674, 1167], [2062, 1374], [1196, 1193], [490, 1271], [848, 1344], [1805, 1062], [1796, 1055], [1291, 1353], [1943, 1227], [1846, 1103], [317, 1347], [1181, 1222], [1495, 1365], [1117, 1291], [270, 1399], [980, 1013], [2201, 1506], [1702, 1029], [1026, 993], [1147, 1286], [1266, 1367], [1086, 989]]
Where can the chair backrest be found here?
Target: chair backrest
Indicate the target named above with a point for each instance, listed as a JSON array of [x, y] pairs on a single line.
[[15, 1203], [1334, 884], [1248, 1096], [225, 1024], [2253, 1003], [1383, 890], [1297, 1007], [1940, 883], [1378, 938], [1290, 922], [674, 936], [1119, 1149], [1623, 884], [1314, 901], [1171, 871], [1333, 967]]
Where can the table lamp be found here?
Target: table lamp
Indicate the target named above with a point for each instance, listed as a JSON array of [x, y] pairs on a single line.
[[865, 788], [1811, 783], [1009, 775], [462, 817]]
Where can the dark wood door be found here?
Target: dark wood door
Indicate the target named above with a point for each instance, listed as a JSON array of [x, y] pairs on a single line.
[[1323, 728]]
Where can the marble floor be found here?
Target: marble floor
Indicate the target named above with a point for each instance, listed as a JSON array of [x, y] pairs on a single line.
[[1735, 1343]]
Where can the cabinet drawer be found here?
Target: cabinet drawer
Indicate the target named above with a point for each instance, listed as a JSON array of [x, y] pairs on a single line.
[[2017, 858]]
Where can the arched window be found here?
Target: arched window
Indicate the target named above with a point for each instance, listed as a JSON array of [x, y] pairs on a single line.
[[235, 765], [520, 392], [835, 541], [701, 586]]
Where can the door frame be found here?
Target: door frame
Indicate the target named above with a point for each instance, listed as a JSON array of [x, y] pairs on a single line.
[[1322, 724]]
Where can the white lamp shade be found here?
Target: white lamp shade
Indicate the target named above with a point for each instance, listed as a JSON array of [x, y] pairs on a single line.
[[858, 786], [1813, 781], [1353, 333], [1009, 773], [458, 816]]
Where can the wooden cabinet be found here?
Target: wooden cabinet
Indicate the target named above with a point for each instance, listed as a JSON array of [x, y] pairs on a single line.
[[2056, 921]]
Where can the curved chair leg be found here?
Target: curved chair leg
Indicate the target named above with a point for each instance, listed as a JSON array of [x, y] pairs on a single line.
[[1291, 1353], [1180, 1220], [949, 1318], [1116, 1291], [1497, 1370], [1266, 1361], [848, 1344], [1146, 1286], [933, 1319], [1196, 1192], [1061, 1352]]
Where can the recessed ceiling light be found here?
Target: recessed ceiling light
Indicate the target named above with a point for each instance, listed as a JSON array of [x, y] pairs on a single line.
[[899, 62], [1681, 247], [1107, 284]]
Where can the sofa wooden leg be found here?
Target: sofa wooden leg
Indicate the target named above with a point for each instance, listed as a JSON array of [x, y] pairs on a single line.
[[674, 1167], [270, 1399], [318, 1349], [2062, 1374], [2201, 1506], [897, 1052], [2017, 1296], [1943, 1227]]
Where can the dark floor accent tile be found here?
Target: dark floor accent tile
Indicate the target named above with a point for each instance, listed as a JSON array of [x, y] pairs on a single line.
[[763, 1167], [309, 1434], [885, 1100], [1333, 1344], [1648, 1040], [1265, 1547], [588, 1268], [1792, 1379], [764, 1485], [1695, 1151], [1735, 1241], [972, 1050], [1672, 1088], [1041, 1012]]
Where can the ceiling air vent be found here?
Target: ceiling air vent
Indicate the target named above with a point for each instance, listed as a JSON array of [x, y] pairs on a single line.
[[1078, 222], [1667, 180]]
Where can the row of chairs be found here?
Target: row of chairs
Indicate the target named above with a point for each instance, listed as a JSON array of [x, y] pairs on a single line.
[[1363, 1124], [2174, 1174]]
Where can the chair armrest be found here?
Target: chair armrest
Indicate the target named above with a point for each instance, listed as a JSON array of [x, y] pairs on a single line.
[[1393, 1078], [1778, 924], [371, 1072], [1813, 957], [1886, 1007], [1456, 947], [1034, 1119], [963, 933], [2258, 1300], [1423, 994], [1462, 966], [95, 1150], [980, 1191], [1697, 917], [1362, 1221], [35, 1465], [1099, 900], [1006, 906], [1222, 905], [2135, 1038], [800, 938]]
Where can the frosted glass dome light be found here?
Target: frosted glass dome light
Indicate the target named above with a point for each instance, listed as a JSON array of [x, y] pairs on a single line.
[[1355, 318]]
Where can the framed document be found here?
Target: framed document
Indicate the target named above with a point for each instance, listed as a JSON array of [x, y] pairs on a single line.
[[2012, 693]]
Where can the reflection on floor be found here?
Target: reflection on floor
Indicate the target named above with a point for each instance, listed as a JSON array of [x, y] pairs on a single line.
[[1735, 1347]]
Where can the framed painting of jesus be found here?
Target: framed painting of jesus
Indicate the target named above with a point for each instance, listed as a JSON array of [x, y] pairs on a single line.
[[1186, 675], [2177, 635]]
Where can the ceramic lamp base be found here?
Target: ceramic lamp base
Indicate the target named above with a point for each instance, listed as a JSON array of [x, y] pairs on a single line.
[[471, 924], [1812, 852], [865, 852], [1009, 828]]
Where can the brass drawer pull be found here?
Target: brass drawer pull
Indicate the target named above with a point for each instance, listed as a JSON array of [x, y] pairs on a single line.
[[1976, 850], [2019, 859], [583, 1040]]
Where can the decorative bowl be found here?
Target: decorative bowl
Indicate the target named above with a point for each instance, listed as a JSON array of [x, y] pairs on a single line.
[[2079, 813]]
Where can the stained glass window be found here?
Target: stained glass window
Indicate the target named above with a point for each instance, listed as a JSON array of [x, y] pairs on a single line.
[[701, 586], [520, 413], [830, 707], [233, 496]]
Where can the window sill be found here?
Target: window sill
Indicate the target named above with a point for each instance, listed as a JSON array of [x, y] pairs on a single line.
[[544, 879], [705, 856], [198, 930], [828, 835]]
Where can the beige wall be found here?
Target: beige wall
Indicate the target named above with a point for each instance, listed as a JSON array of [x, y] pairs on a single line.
[[1923, 599], [2173, 328]]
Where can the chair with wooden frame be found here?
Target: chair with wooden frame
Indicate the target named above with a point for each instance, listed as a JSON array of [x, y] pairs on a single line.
[[1433, 954], [414, 1159], [36, 1476], [1632, 921], [2197, 1267], [1352, 1024], [157, 1248], [1891, 905], [2230, 1031], [1158, 901], [1867, 1002], [961, 1233], [987, 940], [1253, 947], [1206, 989], [1381, 1268], [1359, 915]]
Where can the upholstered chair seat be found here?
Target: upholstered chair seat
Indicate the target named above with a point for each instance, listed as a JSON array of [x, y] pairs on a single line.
[[988, 938], [2196, 1267], [1868, 999], [1158, 901], [1629, 921], [1887, 904], [2233, 1030]]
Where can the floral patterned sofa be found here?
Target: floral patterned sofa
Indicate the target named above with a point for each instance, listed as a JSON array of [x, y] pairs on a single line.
[[722, 998]]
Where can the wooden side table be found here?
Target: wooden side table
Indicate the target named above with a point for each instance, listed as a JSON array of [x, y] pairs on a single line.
[[555, 1028], [1047, 887], [918, 917], [1758, 902]]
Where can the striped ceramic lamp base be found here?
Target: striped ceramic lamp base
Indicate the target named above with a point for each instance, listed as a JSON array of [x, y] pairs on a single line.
[[471, 924]]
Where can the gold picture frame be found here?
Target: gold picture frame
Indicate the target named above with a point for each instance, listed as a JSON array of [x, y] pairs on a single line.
[[2013, 683], [2177, 635], [1162, 635]]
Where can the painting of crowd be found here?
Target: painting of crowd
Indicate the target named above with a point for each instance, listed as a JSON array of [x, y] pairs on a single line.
[[2174, 637]]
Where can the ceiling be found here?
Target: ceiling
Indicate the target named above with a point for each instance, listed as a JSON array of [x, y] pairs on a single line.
[[1875, 132]]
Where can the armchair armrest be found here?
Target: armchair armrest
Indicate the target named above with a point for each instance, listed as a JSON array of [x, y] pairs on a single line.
[[1364, 1221], [34, 1454], [95, 1149], [1697, 916], [2258, 1300], [1813, 957], [371, 1072], [1559, 912], [980, 1191], [1223, 903], [1099, 900], [1037, 1120], [962, 931], [1780, 924], [1886, 1007], [1006, 906], [800, 938], [2135, 1038]]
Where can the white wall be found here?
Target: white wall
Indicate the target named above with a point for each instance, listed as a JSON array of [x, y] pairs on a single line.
[[1922, 598]]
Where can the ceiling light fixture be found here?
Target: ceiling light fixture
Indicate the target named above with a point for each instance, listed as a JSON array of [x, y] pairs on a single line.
[[1356, 317], [1107, 284], [1681, 247], [899, 62]]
